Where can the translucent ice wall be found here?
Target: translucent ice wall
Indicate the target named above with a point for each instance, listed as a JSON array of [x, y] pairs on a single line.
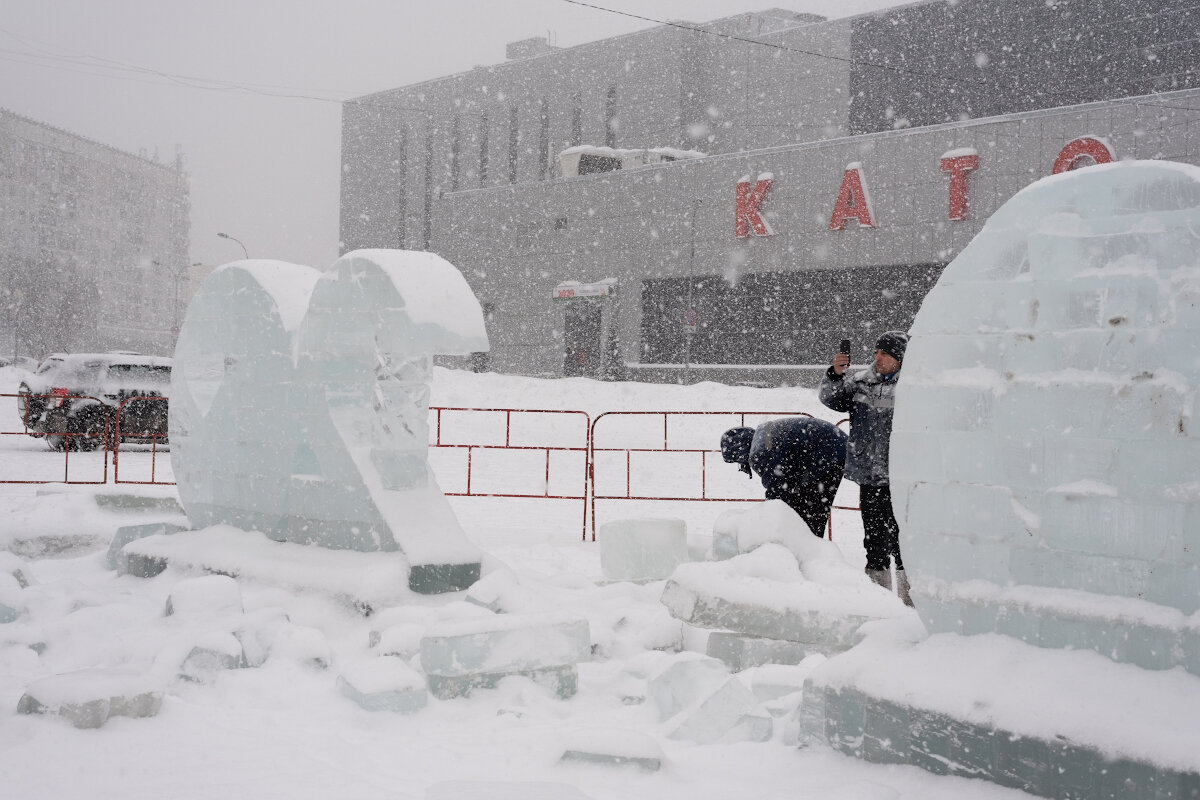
[[232, 390], [1045, 460], [304, 405]]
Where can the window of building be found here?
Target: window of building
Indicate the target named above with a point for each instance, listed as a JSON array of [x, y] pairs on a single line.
[[401, 178], [590, 164], [427, 217], [483, 148], [780, 317], [514, 139], [611, 122], [544, 140], [576, 120], [455, 152]]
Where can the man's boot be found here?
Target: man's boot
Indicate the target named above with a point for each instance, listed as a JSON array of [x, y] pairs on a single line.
[[881, 576], [902, 587]]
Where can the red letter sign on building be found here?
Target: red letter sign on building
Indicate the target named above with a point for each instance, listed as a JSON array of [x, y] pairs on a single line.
[[853, 201], [958, 163], [1085, 146], [749, 202]]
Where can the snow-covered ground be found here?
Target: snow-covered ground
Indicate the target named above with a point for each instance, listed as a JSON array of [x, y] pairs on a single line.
[[284, 730]]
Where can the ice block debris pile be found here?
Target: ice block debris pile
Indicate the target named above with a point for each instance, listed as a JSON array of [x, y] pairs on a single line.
[[13, 580], [786, 596], [1045, 471], [1046, 465], [300, 403], [201, 630], [705, 704], [214, 633], [87, 698], [461, 655], [615, 746]]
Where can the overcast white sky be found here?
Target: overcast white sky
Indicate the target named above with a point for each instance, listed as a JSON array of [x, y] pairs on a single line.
[[251, 89]]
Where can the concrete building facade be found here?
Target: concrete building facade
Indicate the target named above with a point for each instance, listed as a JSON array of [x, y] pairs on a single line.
[[93, 244], [846, 162]]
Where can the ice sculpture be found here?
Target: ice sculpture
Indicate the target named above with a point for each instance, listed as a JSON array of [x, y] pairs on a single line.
[[232, 418], [300, 404], [1045, 460]]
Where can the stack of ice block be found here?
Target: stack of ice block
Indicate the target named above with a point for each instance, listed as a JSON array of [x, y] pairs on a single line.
[[1045, 460], [1045, 471]]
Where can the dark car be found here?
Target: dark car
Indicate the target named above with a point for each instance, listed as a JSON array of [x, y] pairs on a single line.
[[73, 399]]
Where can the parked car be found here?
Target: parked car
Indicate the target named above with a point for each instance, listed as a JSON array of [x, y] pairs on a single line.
[[20, 362], [72, 399]]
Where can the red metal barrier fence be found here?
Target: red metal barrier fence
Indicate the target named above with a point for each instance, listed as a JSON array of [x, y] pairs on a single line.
[[64, 440], [664, 454], [512, 437], [140, 420]]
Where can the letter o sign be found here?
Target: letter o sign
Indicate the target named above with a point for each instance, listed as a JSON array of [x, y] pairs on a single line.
[[1077, 150]]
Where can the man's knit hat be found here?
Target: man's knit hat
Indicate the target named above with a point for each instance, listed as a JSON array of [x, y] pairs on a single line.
[[735, 447], [894, 343]]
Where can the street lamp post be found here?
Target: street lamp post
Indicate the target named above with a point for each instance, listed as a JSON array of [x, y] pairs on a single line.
[[245, 252], [179, 274]]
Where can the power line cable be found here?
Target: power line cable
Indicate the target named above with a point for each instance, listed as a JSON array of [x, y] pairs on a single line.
[[732, 37], [87, 64]]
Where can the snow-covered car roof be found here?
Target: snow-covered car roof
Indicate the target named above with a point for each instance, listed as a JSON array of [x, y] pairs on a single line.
[[114, 358], [107, 372]]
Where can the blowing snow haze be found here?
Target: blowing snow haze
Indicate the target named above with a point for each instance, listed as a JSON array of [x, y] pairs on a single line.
[[251, 93]]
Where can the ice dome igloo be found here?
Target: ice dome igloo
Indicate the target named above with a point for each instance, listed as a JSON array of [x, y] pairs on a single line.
[[1045, 460], [300, 404]]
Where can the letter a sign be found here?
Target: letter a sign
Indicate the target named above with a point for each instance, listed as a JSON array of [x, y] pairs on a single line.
[[749, 203], [853, 200]]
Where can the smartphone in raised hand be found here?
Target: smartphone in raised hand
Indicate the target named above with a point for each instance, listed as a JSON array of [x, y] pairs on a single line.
[[844, 347]]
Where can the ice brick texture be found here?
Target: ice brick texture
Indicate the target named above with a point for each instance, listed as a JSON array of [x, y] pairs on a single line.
[[887, 732], [384, 683], [642, 549], [300, 404], [463, 655], [1045, 461]]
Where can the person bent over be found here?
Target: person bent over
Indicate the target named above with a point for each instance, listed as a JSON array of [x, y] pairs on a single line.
[[869, 395], [799, 459]]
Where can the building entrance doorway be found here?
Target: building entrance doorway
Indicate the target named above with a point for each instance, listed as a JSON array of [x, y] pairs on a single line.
[[581, 336]]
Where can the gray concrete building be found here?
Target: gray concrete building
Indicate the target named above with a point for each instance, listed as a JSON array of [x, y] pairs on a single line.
[[845, 163], [93, 244]]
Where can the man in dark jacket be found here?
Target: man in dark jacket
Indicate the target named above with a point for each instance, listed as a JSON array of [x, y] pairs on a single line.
[[799, 459], [869, 396]]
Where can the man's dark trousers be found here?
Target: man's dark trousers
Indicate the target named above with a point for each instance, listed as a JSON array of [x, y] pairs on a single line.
[[881, 533]]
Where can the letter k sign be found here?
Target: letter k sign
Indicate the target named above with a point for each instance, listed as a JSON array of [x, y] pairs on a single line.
[[749, 202]]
